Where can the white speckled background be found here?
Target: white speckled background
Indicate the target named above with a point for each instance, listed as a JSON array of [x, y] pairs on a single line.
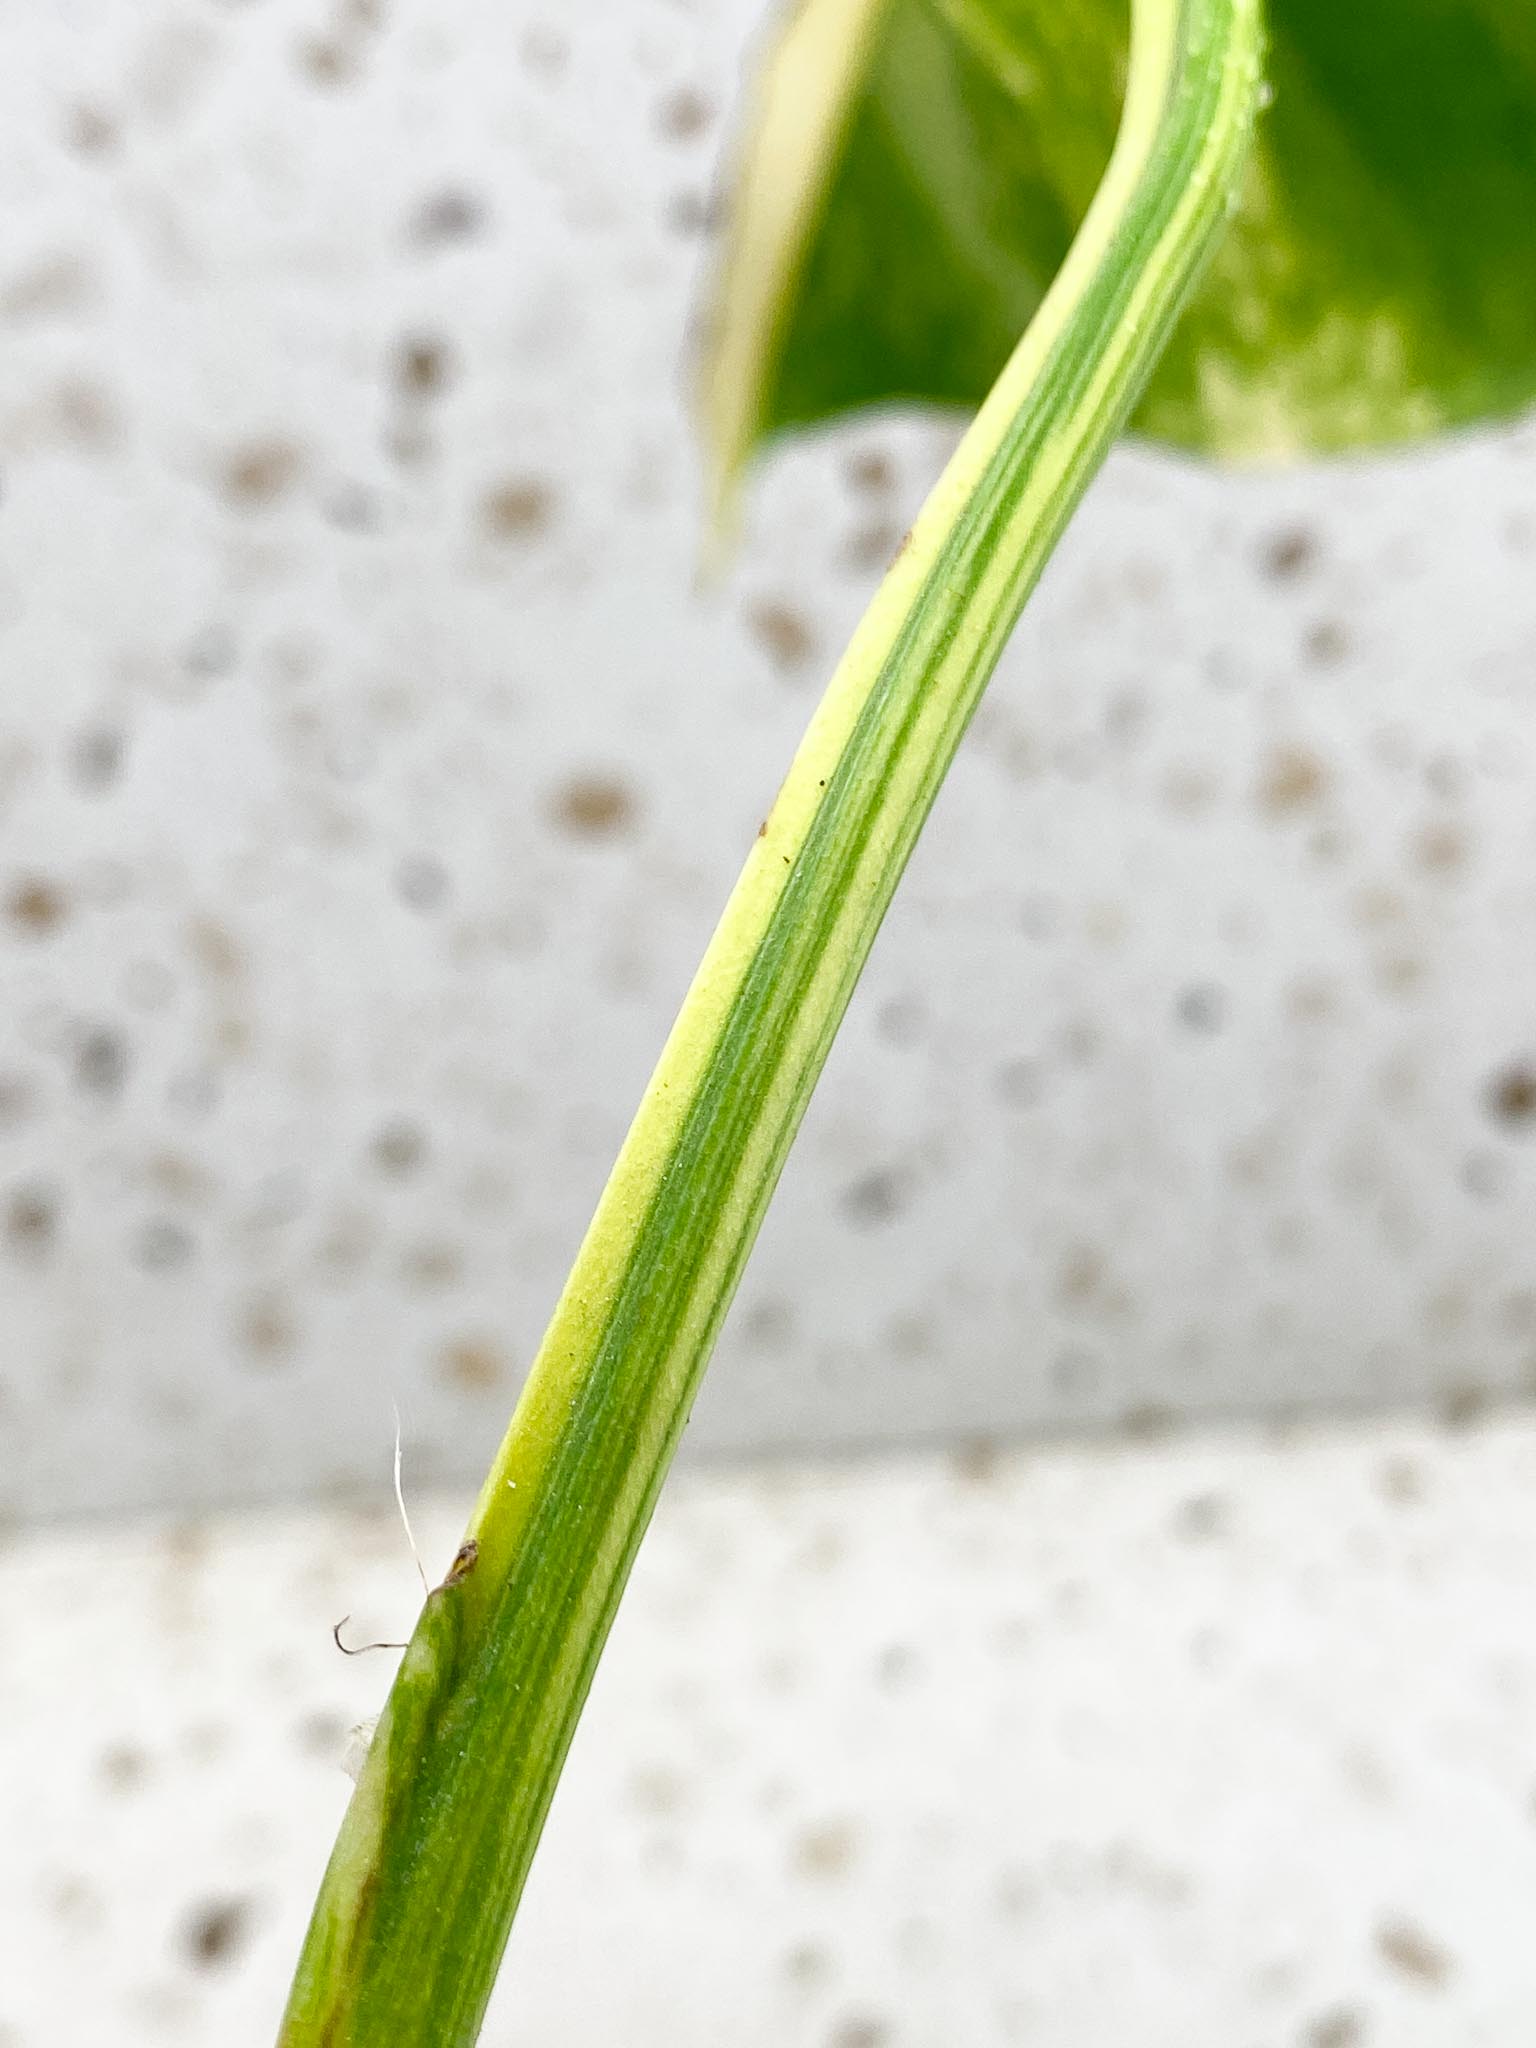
[[1185, 1747], [372, 771]]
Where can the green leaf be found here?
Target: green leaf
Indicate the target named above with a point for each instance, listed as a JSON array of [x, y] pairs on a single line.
[[1378, 282], [419, 1896]]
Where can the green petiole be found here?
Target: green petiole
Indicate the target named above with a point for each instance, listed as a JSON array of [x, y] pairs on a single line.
[[418, 1900]]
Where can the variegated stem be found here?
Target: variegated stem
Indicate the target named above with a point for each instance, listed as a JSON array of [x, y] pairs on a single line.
[[419, 1896]]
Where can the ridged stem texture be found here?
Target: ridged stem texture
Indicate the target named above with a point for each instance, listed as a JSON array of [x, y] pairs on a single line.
[[419, 1896]]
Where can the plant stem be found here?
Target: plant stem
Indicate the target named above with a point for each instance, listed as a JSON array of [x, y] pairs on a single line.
[[418, 1900]]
